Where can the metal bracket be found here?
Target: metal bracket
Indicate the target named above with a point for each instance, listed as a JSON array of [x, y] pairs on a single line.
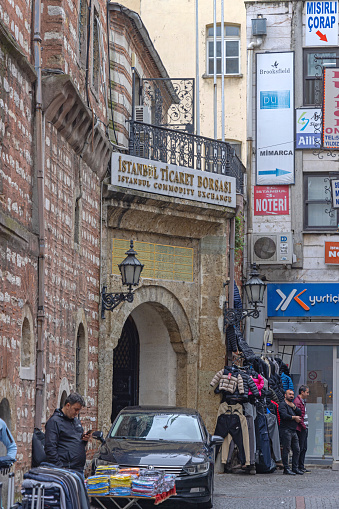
[[109, 301], [233, 316]]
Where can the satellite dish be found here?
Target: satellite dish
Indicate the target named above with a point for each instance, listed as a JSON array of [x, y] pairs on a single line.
[[265, 248]]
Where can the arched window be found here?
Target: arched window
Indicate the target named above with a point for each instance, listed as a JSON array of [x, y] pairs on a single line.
[[27, 345], [63, 398], [80, 360]]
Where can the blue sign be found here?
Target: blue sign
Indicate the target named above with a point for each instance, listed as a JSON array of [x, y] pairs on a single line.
[[302, 299], [308, 123], [273, 100]]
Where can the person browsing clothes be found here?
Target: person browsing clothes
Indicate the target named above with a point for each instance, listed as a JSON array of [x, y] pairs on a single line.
[[290, 417], [302, 427], [65, 440]]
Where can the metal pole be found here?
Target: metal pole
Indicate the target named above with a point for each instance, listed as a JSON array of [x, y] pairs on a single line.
[[215, 67], [222, 73], [197, 66]]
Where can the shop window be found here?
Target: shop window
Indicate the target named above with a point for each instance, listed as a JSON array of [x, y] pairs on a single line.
[[314, 60], [319, 214], [80, 360], [83, 31], [232, 50]]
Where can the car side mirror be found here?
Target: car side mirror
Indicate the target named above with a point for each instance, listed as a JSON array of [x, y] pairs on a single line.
[[216, 440], [98, 435]]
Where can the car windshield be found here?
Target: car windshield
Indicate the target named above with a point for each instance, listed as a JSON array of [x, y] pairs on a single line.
[[156, 426]]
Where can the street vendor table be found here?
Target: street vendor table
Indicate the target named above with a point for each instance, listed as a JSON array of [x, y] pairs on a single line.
[[132, 500]]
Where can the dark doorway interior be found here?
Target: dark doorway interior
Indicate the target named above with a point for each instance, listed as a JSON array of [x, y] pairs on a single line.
[[126, 369]]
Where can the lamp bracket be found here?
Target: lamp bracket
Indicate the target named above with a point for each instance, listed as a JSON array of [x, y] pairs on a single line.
[[110, 301], [233, 316]]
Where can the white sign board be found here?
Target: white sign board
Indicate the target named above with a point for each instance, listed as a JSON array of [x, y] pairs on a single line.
[[308, 128], [321, 23], [275, 118], [170, 180], [335, 193], [331, 109]]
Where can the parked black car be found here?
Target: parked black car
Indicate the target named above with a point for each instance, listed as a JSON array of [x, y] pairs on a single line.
[[170, 439]]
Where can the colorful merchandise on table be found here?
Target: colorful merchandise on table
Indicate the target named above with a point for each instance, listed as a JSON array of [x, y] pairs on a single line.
[[98, 485], [107, 470], [131, 471]]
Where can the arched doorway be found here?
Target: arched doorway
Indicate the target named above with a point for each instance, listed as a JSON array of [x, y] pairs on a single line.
[[126, 369]]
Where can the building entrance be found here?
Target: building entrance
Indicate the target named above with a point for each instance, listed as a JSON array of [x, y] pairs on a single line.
[[126, 369], [312, 365]]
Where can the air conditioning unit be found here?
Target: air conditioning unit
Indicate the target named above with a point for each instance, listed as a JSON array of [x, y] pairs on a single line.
[[273, 248], [143, 114]]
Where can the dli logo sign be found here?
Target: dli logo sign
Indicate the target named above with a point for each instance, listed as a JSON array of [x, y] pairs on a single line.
[[321, 23]]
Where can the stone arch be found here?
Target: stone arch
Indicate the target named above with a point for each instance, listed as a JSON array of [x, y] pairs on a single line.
[[81, 353], [182, 336], [27, 345]]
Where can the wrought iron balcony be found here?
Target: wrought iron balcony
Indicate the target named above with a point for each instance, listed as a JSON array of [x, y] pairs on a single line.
[[183, 149]]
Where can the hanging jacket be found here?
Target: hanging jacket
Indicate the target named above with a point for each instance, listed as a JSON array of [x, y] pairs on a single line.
[[249, 386], [228, 381], [277, 410], [287, 382], [275, 384], [259, 382], [64, 446]]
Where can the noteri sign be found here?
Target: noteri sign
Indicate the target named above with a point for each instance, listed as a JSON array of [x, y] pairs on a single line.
[[302, 299], [170, 180]]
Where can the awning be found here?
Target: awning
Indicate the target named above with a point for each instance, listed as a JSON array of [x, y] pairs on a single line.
[[293, 332]]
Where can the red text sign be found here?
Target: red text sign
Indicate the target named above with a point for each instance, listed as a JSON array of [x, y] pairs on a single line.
[[332, 252], [271, 200]]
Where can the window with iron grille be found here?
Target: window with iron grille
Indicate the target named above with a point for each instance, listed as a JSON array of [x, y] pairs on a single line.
[[314, 60], [232, 50], [319, 214]]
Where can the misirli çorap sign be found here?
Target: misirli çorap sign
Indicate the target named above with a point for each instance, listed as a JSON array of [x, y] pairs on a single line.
[[330, 136], [171, 180]]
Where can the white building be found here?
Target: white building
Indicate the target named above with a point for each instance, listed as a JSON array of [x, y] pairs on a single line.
[[293, 229]]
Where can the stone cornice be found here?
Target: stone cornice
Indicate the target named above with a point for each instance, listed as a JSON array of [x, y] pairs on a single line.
[[65, 109]]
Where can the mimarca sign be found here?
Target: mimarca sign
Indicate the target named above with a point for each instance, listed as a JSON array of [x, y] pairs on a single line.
[[275, 118], [170, 180], [302, 299], [332, 252], [308, 128], [321, 20], [271, 200], [331, 109]]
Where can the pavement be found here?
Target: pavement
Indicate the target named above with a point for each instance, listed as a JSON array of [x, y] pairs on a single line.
[[318, 489]]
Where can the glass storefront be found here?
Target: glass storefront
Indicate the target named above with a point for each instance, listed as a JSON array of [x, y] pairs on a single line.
[[313, 366]]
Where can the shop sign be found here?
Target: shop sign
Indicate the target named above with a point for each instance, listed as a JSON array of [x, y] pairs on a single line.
[[308, 128], [330, 132], [332, 252], [170, 180], [321, 23], [271, 200], [275, 118], [302, 299], [335, 193]]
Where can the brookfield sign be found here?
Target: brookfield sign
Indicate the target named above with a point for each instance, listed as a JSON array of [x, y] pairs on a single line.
[[170, 180]]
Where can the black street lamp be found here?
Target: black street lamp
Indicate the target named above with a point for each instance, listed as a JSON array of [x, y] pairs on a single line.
[[255, 290], [130, 270]]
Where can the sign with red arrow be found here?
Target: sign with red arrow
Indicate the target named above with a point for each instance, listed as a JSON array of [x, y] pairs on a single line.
[[321, 23]]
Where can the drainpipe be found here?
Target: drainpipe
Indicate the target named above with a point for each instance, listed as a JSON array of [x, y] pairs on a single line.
[[248, 245], [40, 379]]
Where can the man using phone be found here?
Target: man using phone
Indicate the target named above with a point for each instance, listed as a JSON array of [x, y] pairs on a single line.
[[290, 416], [65, 440]]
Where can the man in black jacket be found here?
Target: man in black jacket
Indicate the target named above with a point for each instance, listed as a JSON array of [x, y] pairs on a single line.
[[65, 441], [290, 417]]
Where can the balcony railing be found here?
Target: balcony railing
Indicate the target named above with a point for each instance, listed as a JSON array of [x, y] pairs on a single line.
[[182, 149]]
